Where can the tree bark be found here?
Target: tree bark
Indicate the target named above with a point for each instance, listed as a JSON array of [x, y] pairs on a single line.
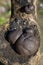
[[12, 8], [7, 54]]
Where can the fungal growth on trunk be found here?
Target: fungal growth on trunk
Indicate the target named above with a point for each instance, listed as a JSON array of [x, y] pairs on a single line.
[[22, 37]]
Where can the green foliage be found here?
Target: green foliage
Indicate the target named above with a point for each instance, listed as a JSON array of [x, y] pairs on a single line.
[[5, 17], [2, 20], [40, 21], [40, 11]]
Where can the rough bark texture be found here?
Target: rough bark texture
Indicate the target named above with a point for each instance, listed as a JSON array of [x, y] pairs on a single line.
[[7, 54]]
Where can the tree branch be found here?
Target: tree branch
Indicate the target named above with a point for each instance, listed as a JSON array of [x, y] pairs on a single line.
[[12, 8]]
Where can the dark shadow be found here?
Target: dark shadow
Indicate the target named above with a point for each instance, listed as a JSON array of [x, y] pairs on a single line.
[[1, 63]]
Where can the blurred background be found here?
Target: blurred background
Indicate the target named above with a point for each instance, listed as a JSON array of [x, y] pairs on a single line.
[[5, 12]]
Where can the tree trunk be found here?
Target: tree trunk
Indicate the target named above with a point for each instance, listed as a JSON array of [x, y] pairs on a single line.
[[7, 55]]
